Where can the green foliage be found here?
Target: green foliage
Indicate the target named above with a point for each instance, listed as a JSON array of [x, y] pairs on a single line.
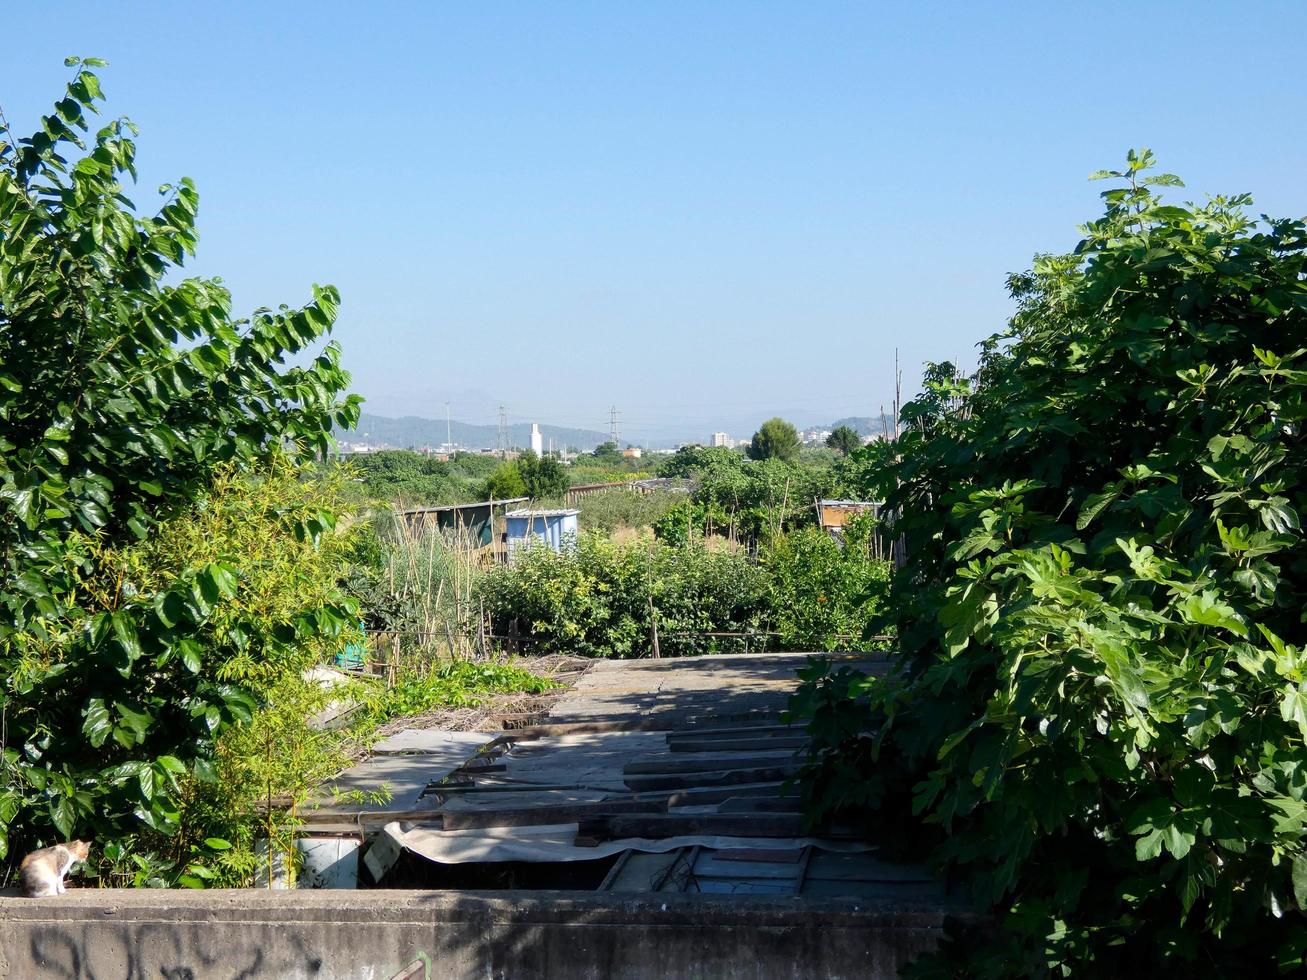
[[596, 600], [414, 581], [602, 599], [451, 684], [274, 610], [606, 466], [844, 439], [1101, 712], [613, 510], [775, 439], [538, 477], [410, 479], [698, 461], [265, 771], [124, 394], [505, 483], [688, 519], [543, 476], [823, 594], [741, 498]]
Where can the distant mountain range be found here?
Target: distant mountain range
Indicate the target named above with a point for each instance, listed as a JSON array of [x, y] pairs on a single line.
[[411, 432]]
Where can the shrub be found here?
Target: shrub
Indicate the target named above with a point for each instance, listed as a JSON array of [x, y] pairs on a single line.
[[259, 561], [597, 600], [543, 476], [124, 394], [505, 483], [748, 499], [410, 479], [612, 510], [824, 594], [1101, 711], [602, 599]]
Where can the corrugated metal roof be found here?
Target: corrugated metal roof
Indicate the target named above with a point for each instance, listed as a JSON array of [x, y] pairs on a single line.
[[446, 508], [674, 771]]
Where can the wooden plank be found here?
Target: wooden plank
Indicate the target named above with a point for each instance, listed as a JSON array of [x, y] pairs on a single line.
[[727, 777], [712, 764], [313, 828], [525, 816], [763, 744], [747, 731], [710, 866], [665, 721], [442, 791], [716, 794], [803, 870], [614, 872], [761, 804], [478, 769], [746, 715], [657, 827]]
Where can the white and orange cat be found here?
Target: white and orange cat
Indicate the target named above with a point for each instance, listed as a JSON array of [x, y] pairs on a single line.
[[42, 872]]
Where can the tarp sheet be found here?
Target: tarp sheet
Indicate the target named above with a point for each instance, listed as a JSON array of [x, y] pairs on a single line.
[[549, 843]]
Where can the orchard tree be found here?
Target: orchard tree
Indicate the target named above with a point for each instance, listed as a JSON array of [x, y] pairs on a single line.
[[505, 483], [543, 476], [775, 439], [844, 438], [124, 389]]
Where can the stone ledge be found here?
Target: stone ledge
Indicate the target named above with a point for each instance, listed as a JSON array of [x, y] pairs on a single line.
[[208, 935]]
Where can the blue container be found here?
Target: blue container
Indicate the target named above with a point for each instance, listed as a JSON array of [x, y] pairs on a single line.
[[555, 529]]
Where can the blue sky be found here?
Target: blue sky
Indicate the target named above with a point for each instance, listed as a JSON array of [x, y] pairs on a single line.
[[704, 213]]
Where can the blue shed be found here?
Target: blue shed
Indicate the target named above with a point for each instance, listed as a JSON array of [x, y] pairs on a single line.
[[555, 529]]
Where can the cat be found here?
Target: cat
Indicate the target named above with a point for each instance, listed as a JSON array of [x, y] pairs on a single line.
[[42, 872]]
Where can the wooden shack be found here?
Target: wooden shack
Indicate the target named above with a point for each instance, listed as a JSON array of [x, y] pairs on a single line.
[[832, 515]]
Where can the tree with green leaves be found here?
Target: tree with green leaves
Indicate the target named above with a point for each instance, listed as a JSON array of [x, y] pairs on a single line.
[[1099, 710], [123, 391], [775, 439], [505, 483], [844, 439], [543, 476], [695, 461]]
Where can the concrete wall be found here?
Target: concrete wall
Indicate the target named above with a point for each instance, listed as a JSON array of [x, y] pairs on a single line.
[[421, 935]]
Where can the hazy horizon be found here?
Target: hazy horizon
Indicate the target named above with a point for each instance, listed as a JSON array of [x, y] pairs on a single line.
[[703, 215], [652, 430]]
